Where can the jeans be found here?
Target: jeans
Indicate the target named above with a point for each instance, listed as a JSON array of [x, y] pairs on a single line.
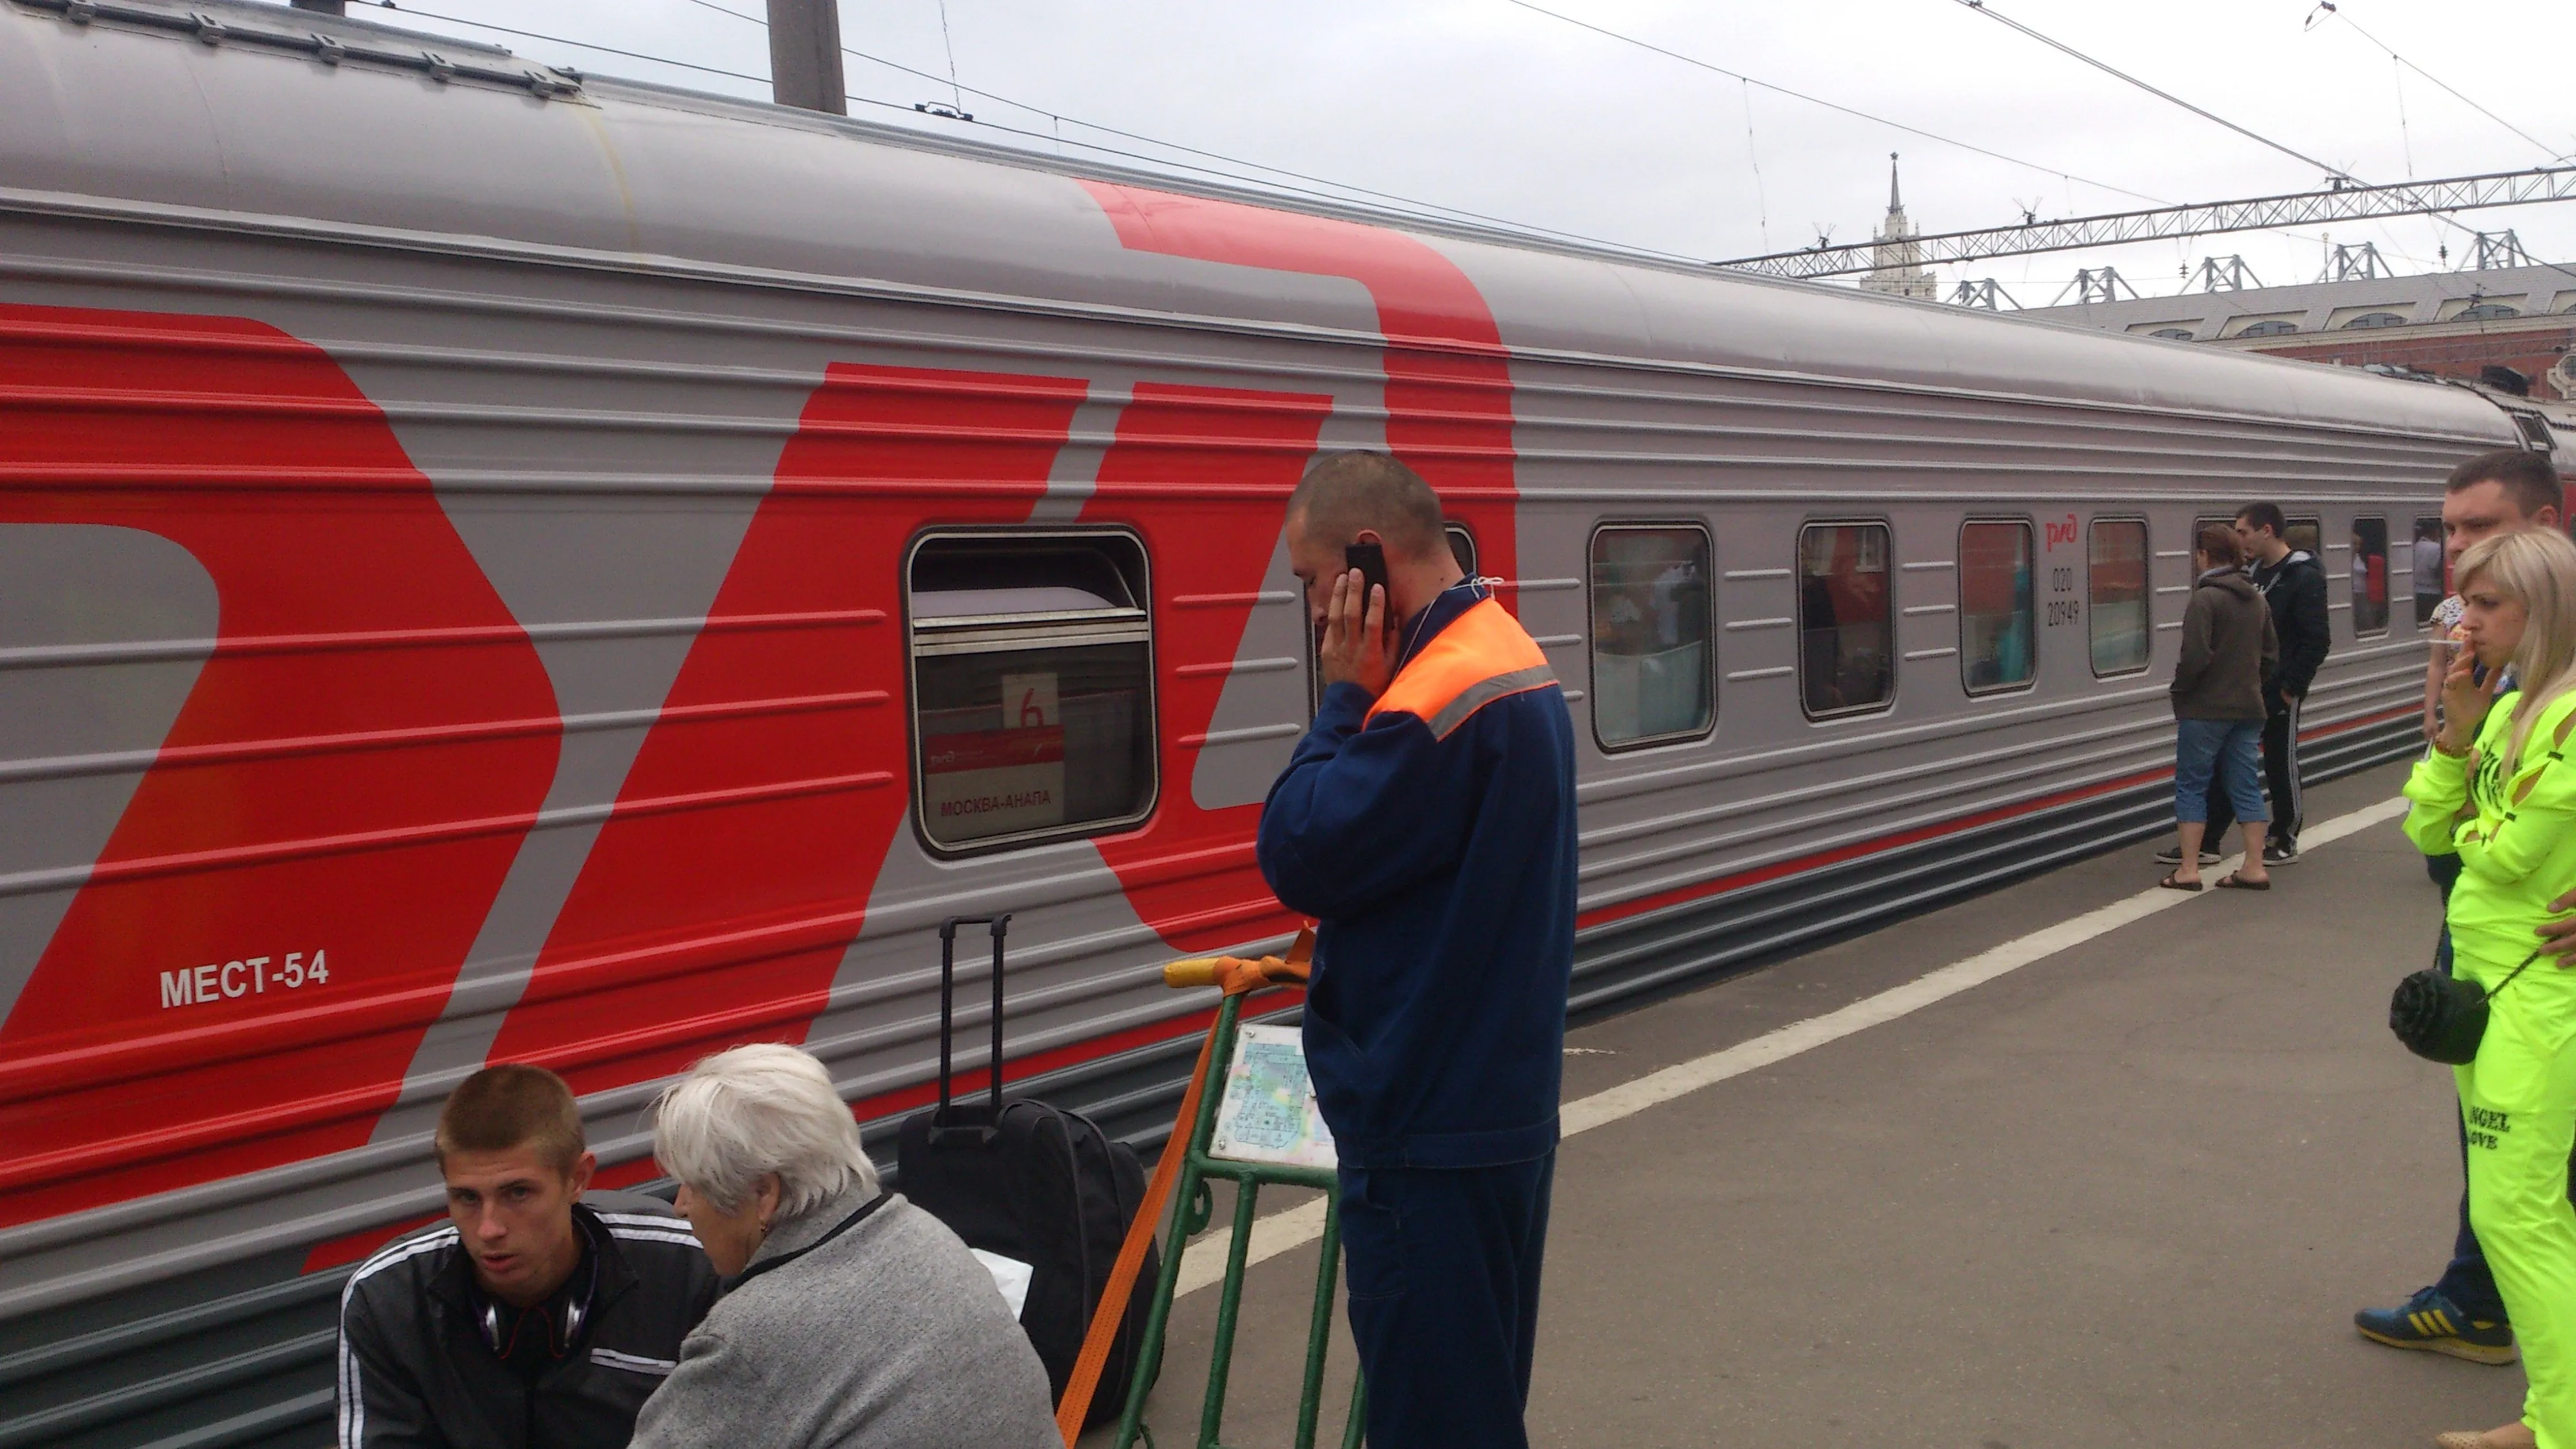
[[2223, 749]]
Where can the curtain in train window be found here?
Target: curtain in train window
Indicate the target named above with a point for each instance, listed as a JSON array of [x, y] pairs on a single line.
[[1846, 608], [2116, 583], [1652, 676], [2431, 584], [1998, 614], [1032, 691], [2370, 576]]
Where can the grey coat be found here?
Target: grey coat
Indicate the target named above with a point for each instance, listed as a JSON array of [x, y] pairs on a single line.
[[2227, 648], [888, 1336]]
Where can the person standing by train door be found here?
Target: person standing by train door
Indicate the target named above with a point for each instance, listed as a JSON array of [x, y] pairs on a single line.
[[1427, 820], [2294, 584]]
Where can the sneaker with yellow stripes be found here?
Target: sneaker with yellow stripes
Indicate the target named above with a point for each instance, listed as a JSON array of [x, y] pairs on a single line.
[[2430, 1321]]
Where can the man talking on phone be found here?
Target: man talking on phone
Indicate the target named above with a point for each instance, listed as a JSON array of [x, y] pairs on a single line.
[[1427, 821]]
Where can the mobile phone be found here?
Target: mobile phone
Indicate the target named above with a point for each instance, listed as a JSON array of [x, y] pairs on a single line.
[[1370, 560]]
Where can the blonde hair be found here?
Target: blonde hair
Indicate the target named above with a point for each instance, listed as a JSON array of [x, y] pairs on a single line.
[[2536, 568]]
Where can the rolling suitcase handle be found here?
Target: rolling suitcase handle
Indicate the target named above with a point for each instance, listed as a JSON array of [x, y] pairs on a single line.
[[1000, 925]]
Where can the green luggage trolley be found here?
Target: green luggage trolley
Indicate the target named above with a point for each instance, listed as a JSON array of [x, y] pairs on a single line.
[[1193, 1205]]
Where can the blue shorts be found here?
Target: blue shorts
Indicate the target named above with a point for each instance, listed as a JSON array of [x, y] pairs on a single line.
[[2232, 749]]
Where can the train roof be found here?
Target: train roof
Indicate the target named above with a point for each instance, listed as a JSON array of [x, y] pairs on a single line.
[[256, 117]]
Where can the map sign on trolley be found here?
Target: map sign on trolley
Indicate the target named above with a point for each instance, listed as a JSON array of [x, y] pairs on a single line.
[[1268, 1113]]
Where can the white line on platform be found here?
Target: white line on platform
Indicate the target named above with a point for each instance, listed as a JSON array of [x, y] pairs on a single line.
[[1204, 1263]]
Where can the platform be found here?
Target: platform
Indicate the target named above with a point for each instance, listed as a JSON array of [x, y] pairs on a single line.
[[2128, 1191]]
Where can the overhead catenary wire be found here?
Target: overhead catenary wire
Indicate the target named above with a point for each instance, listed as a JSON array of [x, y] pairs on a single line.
[[2334, 174], [1982, 8], [1419, 210], [2538, 144], [1055, 136], [1692, 60]]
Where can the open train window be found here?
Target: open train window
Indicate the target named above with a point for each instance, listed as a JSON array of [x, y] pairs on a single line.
[[2370, 576], [1653, 677], [2431, 577], [2115, 581], [1998, 608], [1846, 618], [1032, 686]]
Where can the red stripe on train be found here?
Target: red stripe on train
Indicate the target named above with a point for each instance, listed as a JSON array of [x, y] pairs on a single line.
[[289, 489]]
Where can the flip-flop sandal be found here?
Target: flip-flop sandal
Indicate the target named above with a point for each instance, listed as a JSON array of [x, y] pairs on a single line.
[[2233, 881], [2172, 884]]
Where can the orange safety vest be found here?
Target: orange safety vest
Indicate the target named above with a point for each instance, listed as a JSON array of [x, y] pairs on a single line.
[[1484, 655]]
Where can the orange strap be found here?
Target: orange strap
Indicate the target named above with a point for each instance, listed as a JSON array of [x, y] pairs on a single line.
[[1237, 976]]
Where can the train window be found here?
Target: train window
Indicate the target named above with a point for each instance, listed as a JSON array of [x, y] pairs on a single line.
[[2116, 584], [1032, 686], [2370, 576], [1652, 672], [1462, 547], [1846, 608], [1998, 623], [2430, 581], [2308, 534]]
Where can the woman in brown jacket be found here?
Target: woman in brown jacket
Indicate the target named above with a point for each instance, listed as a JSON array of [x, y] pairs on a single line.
[[2227, 646]]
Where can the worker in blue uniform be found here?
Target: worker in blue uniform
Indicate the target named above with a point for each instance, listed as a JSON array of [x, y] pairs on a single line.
[[1426, 821]]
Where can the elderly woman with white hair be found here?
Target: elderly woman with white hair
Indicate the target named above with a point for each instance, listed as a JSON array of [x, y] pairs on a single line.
[[850, 1317]]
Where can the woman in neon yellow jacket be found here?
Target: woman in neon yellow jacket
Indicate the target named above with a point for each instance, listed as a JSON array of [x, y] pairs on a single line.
[[2497, 788]]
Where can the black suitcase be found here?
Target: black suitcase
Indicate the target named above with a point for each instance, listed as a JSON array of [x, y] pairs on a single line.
[[1036, 1184]]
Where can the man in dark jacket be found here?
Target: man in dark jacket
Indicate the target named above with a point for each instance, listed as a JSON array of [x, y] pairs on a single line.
[[535, 1317], [2294, 584], [1427, 819]]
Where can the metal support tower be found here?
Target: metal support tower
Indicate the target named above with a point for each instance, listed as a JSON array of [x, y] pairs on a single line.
[[805, 55], [2223, 274], [2357, 264], [2101, 284], [1985, 292], [2498, 250], [2263, 213]]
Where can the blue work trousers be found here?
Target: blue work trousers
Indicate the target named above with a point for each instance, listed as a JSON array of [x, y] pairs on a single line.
[[1443, 1266]]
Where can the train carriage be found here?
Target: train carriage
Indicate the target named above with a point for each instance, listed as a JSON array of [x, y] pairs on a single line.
[[504, 564]]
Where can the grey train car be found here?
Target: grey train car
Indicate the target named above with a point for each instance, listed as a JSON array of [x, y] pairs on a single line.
[[503, 564]]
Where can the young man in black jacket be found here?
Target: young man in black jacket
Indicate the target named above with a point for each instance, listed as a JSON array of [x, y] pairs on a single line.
[[535, 1317], [2294, 584]]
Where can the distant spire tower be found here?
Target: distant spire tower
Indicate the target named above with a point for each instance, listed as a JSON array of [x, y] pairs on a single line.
[[1899, 268]]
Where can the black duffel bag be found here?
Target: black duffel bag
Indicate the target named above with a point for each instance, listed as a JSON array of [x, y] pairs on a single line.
[[2440, 1017], [1035, 1184]]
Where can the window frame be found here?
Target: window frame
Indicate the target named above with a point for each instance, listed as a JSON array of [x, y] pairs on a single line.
[[2354, 578], [2147, 593], [1142, 586], [2312, 520], [1451, 530], [2030, 535], [1798, 619], [2441, 569], [1592, 633]]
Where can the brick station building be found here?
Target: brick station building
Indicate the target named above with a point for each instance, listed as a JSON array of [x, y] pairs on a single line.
[[2449, 324]]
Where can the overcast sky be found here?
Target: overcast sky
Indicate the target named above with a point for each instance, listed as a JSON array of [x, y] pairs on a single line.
[[1491, 107]]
